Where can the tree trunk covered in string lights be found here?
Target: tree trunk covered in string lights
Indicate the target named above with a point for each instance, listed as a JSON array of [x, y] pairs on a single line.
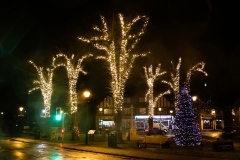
[[74, 121], [73, 67], [150, 77], [119, 42], [198, 67], [175, 78], [44, 83]]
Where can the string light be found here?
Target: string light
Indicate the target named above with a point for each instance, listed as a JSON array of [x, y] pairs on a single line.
[[150, 82], [73, 73], [198, 67], [174, 84], [45, 85], [120, 59]]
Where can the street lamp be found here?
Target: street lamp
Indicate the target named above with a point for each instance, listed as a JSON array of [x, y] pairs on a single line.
[[171, 111], [194, 98], [86, 95], [20, 109], [100, 110], [214, 119], [160, 109]]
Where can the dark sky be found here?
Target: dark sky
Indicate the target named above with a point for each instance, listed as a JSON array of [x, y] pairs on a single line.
[[199, 30]]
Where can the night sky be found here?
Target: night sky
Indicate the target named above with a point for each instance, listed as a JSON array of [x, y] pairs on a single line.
[[199, 30]]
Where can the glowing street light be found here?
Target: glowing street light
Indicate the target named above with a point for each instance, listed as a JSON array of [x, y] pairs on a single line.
[[171, 111], [86, 95], [194, 98], [101, 121], [20, 109], [160, 109]]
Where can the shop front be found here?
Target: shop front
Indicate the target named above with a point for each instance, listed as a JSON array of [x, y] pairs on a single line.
[[141, 121]]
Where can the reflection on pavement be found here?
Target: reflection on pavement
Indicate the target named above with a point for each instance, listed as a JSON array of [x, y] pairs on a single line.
[[212, 134]]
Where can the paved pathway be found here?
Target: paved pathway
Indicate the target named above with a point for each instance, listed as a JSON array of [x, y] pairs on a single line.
[[123, 149]]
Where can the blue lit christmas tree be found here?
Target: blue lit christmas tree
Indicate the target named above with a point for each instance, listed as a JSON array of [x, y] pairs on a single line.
[[187, 131]]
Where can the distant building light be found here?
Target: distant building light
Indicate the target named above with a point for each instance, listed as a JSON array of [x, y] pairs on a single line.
[[194, 98]]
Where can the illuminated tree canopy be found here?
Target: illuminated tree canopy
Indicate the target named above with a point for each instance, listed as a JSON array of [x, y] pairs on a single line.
[[119, 48], [44, 83], [150, 77], [175, 78], [73, 71]]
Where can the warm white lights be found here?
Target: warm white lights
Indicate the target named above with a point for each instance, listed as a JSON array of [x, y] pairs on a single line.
[[86, 94], [194, 98], [198, 67], [45, 80], [44, 83], [150, 77], [118, 48], [73, 71], [175, 77], [174, 84], [21, 109]]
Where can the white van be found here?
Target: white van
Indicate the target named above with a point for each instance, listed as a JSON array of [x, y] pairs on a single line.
[[160, 126]]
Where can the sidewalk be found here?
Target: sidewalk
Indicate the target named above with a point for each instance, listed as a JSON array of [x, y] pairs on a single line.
[[129, 148]]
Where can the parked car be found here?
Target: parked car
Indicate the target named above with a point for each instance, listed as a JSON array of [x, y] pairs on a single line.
[[156, 131], [160, 126], [228, 131]]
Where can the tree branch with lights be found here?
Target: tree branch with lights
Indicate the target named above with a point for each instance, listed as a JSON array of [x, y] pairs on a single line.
[[44, 83], [73, 71], [73, 67], [119, 48], [198, 67], [149, 97], [150, 77], [174, 83]]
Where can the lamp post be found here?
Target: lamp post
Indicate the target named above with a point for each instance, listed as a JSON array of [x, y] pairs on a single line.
[[194, 98], [20, 120], [20, 109], [170, 129], [100, 110], [159, 110], [86, 95], [171, 111], [214, 119]]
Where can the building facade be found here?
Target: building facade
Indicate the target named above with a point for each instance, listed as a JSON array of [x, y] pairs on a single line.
[[135, 112]]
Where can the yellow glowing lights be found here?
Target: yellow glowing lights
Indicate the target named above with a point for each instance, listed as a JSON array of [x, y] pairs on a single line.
[[198, 67], [73, 71], [150, 77], [86, 94], [175, 77], [45, 85], [174, 84], [45, 81], [118, 53]]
